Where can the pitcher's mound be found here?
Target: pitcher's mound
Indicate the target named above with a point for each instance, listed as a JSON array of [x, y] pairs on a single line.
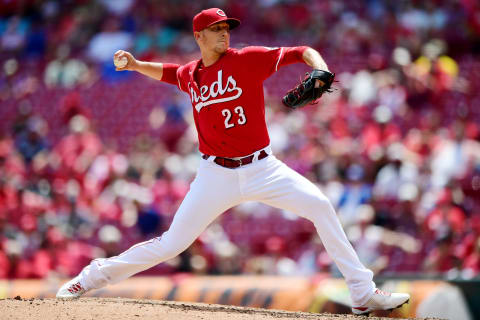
[[122, 309]]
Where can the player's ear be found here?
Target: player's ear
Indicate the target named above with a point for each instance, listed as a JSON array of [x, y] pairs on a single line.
[[197, 35]]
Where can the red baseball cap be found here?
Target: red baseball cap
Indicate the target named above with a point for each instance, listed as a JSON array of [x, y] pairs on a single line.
[[207, 17]]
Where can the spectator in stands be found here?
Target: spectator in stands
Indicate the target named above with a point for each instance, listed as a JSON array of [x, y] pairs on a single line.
[[13, 38], [454, 156], [356, 193], [104, 44], [442, 258], [472, 262], [65, 71]]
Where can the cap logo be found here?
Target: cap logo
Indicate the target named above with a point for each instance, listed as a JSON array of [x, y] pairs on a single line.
[[221, 13]]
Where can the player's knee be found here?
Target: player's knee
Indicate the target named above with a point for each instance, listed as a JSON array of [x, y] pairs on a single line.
[[316, 205], [170, 252], [318, 200]]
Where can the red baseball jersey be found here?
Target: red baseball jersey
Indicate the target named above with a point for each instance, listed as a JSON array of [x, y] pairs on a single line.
[[227, 97]]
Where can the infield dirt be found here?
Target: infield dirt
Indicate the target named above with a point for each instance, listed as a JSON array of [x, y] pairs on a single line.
[[121, 309]]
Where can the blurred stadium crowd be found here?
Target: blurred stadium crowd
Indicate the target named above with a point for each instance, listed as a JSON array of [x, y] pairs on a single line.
[[93, 160]]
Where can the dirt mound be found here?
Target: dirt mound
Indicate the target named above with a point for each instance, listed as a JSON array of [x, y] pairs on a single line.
[[120, 309]]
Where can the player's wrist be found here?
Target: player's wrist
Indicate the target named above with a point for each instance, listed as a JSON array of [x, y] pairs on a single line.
[[136, 65]]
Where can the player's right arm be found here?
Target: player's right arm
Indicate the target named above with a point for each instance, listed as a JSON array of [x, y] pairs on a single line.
[[155, 70]]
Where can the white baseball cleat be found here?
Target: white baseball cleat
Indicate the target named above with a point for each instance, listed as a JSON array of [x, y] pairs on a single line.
[[382, 301], [71, 290]]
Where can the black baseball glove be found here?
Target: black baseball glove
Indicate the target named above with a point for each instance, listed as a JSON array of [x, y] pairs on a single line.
[[306, 92]]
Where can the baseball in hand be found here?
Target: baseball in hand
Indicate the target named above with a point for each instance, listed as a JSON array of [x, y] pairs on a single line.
[[120, 62]]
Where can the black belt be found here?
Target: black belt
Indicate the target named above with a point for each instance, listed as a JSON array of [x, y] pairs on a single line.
[[235, 163]]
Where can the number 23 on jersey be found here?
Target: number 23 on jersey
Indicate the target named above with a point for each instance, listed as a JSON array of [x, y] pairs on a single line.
[[229, 123]]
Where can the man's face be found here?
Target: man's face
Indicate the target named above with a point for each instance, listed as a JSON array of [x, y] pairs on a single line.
[[214, 38]]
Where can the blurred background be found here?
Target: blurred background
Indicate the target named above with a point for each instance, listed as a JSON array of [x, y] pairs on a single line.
[[93, 161]]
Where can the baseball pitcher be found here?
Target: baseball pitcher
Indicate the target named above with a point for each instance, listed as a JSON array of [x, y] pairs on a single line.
[[225, 87]]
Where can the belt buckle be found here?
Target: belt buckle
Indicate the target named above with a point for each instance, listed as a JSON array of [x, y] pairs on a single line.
[[241, 162]]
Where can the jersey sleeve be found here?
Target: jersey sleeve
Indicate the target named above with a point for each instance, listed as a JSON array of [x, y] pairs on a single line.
[[266, 60], [170, 73]]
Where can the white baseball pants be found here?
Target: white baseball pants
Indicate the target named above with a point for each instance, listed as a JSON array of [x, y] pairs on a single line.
[[216, 189]]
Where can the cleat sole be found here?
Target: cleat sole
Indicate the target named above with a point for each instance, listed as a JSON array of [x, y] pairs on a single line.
[[399, 306], [366, 314]]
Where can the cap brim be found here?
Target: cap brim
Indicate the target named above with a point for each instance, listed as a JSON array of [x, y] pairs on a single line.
[[232, 23]]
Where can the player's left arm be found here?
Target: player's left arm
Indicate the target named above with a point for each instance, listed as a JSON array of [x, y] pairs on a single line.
[[309, 56], [267, 61], [313, 58]]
